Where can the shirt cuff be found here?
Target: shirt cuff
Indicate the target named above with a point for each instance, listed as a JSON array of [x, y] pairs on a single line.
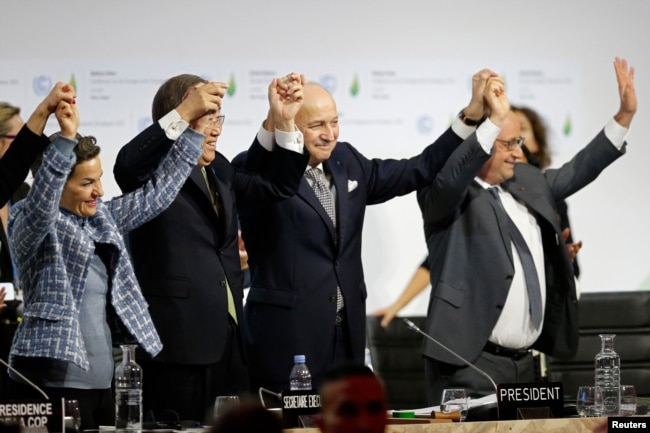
[[173, 125], [265, 138], [461, 129], [65, 145], [616, 133], [486, 134], [290, 140]]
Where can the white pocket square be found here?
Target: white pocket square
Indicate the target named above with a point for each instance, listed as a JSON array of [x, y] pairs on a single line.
[[352, 185]]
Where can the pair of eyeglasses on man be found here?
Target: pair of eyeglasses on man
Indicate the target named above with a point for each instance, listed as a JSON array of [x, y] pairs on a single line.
[[511, 144], [215, 121]]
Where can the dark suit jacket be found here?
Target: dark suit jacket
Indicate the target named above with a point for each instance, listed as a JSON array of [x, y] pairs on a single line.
[[470, 253], [183, 256], [296, 265]]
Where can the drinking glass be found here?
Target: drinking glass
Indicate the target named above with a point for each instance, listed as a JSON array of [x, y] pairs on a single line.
[[589, 401], [72, 418], [454, 400], [628, 400], [223, 403]]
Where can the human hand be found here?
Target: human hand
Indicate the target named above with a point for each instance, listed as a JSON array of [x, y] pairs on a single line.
[[573, 248], [387, 314], [285, 99], [496, 99], [243, 254], [60, 92], [477, 106], [626, 91], [68, 117], [201, 99]]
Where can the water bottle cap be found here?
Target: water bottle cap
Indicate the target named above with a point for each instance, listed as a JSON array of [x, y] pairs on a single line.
[[299, 359]]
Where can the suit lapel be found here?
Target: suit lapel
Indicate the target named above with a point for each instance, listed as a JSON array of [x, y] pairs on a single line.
[[220, 221], [307, 194], [533, 201], [197, 177], [226, 200], [340, 179]]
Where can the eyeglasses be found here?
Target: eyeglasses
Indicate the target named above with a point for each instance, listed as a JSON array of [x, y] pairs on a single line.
[[510, 145], [8, 136], [215, 121]]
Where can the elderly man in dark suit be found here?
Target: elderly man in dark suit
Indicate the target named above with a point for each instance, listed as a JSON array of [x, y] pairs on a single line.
[[502, 280], [187, 259], [307, 291]]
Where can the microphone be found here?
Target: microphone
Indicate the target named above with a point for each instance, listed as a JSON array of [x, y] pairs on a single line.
[[415, 328], [29, 382], [267, 391]]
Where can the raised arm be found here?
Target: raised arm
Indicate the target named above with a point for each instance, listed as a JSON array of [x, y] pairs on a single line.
[[16, 162], [266, 176], [137, 160], [442, 199], [34, 217], [61, 92], [419, 281], [626, 91]]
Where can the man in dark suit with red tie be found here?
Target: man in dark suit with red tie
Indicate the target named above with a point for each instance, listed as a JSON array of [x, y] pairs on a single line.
[[487, 304], [187, 259]]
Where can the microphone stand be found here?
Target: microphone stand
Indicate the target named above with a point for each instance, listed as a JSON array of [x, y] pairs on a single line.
[[29, 382], [415, 328]]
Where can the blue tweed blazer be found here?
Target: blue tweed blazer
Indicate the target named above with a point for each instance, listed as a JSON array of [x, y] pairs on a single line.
[[53, 249]]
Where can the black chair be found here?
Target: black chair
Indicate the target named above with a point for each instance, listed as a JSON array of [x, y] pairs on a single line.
[[626, 314], [397, 359]]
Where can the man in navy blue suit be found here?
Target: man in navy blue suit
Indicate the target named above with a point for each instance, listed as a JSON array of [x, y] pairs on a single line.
[[187, 259], [307, 291]]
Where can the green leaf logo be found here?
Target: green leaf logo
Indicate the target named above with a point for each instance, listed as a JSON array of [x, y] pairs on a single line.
[[354, 88], [73, 82], [566, 129], [232, 86]]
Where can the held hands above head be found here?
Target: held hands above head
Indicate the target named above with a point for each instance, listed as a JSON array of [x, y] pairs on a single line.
[[496, 99], [68, 117], [285, 99], [626, 91], [202, 99], [60, 92], [477, 106]]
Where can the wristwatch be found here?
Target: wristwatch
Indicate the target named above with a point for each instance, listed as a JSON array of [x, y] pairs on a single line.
[[469, 122]]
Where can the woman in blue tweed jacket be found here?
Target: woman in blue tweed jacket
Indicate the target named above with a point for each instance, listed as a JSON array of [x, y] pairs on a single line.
[[75, 268]]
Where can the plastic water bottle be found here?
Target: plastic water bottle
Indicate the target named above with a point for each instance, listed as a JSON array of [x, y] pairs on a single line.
[[300, 378], [608, 374], [128, 392]]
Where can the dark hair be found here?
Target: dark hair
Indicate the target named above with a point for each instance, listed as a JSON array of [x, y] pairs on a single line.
[[170, 94], [249, 416], [85, 149], [343, 371], [543, 155]]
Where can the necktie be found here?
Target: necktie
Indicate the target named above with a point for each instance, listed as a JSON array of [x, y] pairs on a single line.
[[231, 299], [324, 195], [530, 272], [213, 194], [322, 192]]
